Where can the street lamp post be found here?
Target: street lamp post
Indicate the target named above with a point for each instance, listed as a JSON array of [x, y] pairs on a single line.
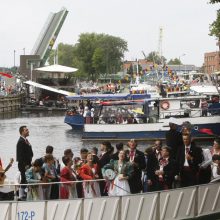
[[31, 71], [180, 60]]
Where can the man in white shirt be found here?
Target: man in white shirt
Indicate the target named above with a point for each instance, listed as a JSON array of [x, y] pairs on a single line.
[[189, 158]]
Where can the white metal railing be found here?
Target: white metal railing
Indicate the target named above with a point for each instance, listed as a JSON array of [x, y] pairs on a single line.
[[181, 203]]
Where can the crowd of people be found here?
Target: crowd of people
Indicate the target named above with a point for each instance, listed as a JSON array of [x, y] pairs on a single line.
[[9, 87], [123, 170]]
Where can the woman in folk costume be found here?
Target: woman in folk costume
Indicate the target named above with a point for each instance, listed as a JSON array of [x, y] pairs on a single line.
[[89, 171], [215, 152], [119, 186], [67, 190]]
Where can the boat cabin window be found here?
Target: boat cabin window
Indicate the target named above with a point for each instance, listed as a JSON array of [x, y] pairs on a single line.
[[190, 103], [122, 114]]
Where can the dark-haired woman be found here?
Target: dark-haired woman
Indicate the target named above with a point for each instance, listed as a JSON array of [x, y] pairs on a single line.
[[67, 190]]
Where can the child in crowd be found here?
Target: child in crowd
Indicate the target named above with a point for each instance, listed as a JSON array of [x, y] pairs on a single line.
[[33, 175], [50, 175]]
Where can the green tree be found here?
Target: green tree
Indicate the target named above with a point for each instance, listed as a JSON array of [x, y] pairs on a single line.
[[97, 60], [65, 55], [215, 28], [130, 70], [100, 53], [175, 61], [93, 54], [113, 51], [155, 58], [214, 1], [139, 68], [85, 49]]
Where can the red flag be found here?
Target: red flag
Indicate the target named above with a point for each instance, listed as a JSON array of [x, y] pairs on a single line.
[[206, 131], [6, 75]]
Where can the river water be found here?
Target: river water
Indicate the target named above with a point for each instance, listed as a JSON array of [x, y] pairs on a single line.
[[45, 129]]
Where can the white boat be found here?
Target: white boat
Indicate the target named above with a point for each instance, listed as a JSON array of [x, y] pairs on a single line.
[[149, 118]]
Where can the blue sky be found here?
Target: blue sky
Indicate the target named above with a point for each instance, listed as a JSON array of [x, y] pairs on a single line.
[[185, 25]]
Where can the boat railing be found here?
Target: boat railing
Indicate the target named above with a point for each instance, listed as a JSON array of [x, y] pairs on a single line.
[[191, 113], [143, 119], [181, 113], [117, 120]]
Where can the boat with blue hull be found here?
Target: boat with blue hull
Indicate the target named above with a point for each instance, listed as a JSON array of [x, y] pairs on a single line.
[[76, 120], [147, 118]]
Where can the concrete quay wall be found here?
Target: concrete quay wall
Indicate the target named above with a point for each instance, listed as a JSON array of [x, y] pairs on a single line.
[[10, 103]]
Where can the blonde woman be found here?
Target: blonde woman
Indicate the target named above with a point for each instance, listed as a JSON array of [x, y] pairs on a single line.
[[89, 171]]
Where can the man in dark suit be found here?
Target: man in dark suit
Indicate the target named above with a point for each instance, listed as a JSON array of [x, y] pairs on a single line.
[[166, 170], [24, 153], [104, 159], [189, 158], [119, 147], [173, 137], [137, 159]]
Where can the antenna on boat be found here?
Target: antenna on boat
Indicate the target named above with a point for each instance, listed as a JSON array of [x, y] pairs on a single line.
[[160, 50]]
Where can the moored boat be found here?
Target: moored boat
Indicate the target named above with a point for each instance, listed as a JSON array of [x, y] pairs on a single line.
[[75, 118], [148, 118]]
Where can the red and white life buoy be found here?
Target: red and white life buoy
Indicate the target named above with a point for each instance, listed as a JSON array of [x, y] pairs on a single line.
[[165, 105]]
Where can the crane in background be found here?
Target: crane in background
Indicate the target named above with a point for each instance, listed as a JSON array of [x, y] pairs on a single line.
[[145, 57], [160, 48]]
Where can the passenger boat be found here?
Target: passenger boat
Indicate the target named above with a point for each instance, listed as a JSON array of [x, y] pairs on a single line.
[[146, 118], [76, 120], [149, 119]]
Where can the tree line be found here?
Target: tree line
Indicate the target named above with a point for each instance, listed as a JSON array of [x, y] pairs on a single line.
[[96, 54], [215, 26]]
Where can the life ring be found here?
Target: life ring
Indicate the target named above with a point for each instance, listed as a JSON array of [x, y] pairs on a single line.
[[165, 105]]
